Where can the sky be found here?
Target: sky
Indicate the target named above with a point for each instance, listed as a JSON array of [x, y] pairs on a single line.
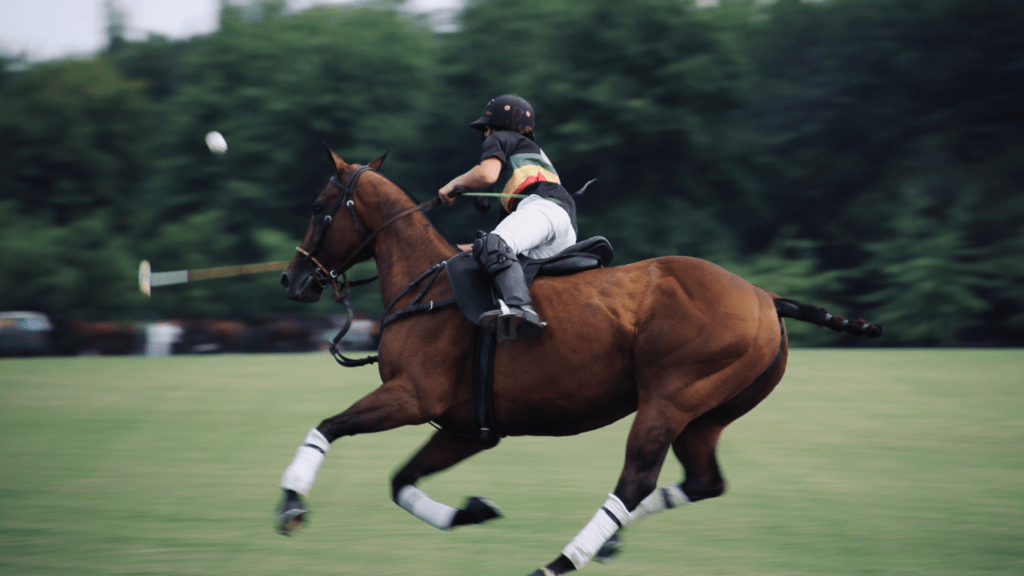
[[47, 29]]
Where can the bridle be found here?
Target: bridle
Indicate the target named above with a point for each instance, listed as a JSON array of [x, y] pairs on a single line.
[[324, 276]]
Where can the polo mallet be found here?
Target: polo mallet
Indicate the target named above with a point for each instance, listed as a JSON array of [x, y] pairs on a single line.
[[149, 279]]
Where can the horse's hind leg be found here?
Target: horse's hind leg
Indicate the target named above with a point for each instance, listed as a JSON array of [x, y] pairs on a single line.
[[442, 451], [656, 425], [656, 428], [695, 449]]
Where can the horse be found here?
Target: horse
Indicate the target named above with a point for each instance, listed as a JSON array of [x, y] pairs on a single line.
[[686, 345]]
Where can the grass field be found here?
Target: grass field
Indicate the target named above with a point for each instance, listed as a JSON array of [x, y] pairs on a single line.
[[861, 462]]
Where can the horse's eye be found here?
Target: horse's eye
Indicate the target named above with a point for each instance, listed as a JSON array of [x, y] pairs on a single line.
[[317, 208]]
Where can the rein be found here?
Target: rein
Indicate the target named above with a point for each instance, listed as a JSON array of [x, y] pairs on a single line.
[[325, 276]]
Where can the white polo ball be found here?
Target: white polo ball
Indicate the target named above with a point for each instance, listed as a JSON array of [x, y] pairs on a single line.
[[216, 143]]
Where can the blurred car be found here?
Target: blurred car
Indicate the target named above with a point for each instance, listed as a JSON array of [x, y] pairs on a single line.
[[24, 333], [363, 335]]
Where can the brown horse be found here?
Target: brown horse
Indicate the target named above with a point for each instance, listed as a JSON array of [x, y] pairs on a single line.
[[680, 341]]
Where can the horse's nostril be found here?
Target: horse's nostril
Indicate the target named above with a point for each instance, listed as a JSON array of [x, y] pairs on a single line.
[[284, 279]]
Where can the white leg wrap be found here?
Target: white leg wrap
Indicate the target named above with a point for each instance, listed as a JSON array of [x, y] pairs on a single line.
[[601, 527], [301, 473], [417, 503], [670, 496]]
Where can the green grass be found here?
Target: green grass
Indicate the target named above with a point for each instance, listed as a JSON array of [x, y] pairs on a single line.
[[862, 462]]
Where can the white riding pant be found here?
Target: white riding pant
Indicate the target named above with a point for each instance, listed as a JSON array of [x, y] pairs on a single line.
[[538, 228]]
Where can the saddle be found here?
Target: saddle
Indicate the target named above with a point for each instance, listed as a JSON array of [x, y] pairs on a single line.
[[474, 294], [474, 291]]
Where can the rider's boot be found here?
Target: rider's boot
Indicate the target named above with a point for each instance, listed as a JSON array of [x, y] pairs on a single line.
[[515, 316]]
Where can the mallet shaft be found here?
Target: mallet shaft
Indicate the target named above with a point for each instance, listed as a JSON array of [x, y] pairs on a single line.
[[148, 279], [226, 271]]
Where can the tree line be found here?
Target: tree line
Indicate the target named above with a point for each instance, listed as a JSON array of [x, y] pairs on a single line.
[[864, 155]]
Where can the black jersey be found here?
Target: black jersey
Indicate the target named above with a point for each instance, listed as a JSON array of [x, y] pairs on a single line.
[[525, 170]]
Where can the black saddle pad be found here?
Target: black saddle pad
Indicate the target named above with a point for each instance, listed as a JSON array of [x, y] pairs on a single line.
[[473, 288]]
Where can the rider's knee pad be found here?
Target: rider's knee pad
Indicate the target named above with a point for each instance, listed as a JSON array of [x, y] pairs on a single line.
[[493, 254]]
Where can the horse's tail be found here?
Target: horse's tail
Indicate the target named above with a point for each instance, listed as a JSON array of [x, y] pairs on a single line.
[[787, 308]]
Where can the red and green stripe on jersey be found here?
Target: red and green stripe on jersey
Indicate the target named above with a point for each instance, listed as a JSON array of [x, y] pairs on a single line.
[[524, 170]]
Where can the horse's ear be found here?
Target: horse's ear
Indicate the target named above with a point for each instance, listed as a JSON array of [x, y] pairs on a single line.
[[377, 163], [339, 164]]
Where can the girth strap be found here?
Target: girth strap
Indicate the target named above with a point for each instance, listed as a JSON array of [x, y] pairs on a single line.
[[484, 345]]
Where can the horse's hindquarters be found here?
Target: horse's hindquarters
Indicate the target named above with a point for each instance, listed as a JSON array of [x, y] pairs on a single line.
[[658, 328]]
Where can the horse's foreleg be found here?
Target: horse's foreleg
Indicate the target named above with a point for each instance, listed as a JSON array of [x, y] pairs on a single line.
[[298, 479], [443, 451], [390, 406], [649, 441]]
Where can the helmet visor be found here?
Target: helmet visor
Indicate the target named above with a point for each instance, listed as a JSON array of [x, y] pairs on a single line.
[[481, 123]]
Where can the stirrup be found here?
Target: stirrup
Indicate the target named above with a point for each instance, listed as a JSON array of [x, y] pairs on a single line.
[[505, 323], [508, 323]]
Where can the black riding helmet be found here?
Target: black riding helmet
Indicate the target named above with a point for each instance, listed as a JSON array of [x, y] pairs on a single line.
[[507, 112]]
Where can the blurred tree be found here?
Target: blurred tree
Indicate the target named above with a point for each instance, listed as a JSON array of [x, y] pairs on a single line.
[[157, 62], [277, 85], [931, 280], [73, 142], [889, 133], [79, 270], [865, 155], [74, 134], [861, 96]]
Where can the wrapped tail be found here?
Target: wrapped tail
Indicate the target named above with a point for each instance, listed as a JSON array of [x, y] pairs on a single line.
[[788, 308]]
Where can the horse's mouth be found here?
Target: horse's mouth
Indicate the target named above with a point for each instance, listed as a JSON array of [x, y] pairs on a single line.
[[303, 287]]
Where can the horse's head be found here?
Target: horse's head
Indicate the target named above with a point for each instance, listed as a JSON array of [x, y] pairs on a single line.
[[334, 235]]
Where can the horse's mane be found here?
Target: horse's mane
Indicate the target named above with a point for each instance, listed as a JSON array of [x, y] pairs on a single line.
[[399, 186], [415, 201]]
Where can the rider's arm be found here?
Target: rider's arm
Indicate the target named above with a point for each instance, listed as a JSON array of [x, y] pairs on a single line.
[[481, 176]]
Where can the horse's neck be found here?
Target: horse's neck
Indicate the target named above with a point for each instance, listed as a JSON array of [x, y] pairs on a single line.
[[406, 249]]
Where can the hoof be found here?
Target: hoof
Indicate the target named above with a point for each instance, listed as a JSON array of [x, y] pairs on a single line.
[[292, 514], [609, 549], [477, 511]]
